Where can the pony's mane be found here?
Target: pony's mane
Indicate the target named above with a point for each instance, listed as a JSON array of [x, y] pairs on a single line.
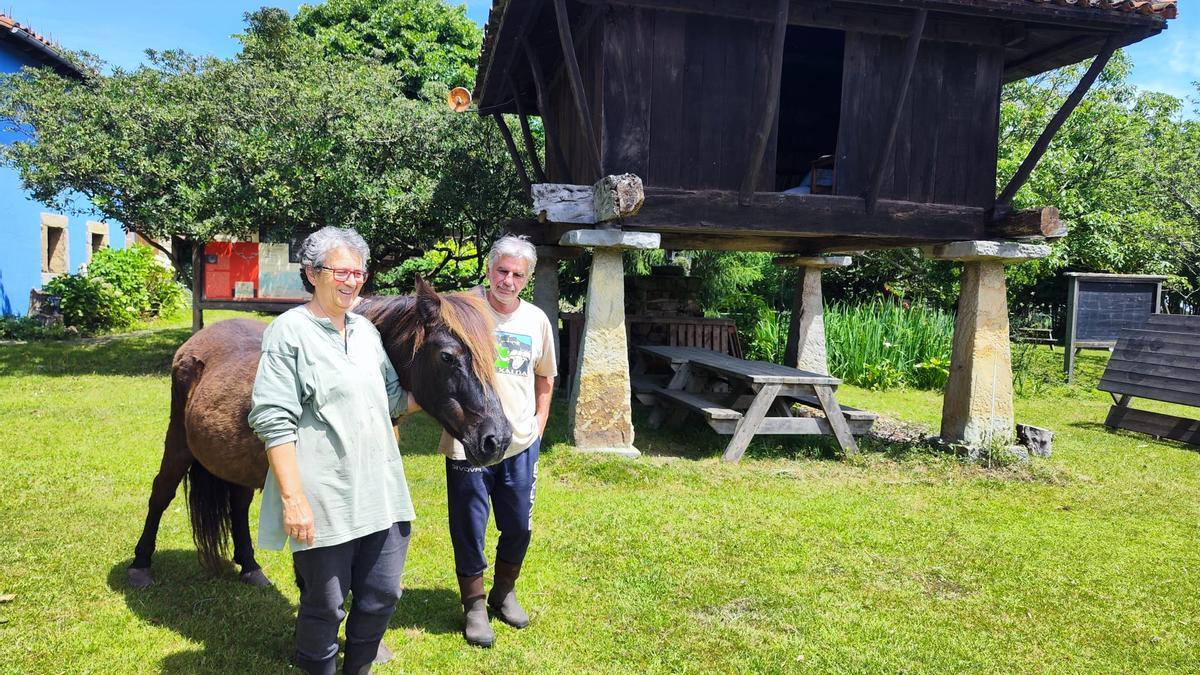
[[468, 317], [464, 314]]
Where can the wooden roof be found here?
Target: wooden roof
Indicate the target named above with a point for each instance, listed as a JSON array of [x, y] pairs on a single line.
[[1037, 35]]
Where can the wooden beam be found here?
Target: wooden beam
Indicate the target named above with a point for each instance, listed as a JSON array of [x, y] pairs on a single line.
[[549, 125], [1049, 13], [1004, 201], [885, 152], [610, 198], [576, 81], [771, 106], [526, 134], [803, 224], [777, 213], [197, 285], [1041, 223], [531, 148], [842, 15], [512, 151]]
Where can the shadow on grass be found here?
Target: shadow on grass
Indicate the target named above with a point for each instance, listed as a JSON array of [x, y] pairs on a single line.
[[693, 439], [142, 353], [431, 610], [1134, 435], [239, 628]]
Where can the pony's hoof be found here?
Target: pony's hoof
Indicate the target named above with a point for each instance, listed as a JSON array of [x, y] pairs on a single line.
[[255, 578], [139, 577]]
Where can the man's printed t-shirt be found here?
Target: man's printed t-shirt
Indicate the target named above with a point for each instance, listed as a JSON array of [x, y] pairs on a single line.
[[524, 348]]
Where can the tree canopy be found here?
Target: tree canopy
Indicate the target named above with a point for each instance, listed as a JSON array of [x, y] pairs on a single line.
[[281, 138], [427, 40]]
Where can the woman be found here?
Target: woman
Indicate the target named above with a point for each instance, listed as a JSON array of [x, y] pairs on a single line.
[[324, 397]]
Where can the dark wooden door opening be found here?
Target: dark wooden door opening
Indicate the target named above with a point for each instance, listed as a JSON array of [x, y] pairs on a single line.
[[809, 109]]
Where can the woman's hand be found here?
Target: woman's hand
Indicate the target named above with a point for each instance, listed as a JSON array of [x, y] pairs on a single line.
[[298, 519], [297, 514]]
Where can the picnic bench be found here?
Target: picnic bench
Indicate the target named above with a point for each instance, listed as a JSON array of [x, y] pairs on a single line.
[[1159, 361], [743, 399]]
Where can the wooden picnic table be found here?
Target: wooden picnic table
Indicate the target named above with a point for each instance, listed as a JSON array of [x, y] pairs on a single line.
[[746, 398]]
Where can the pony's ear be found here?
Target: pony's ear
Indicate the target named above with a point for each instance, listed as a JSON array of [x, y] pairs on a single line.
[[429, 303]]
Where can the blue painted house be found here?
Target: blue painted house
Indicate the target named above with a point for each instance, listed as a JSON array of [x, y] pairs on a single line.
[[36, 244]]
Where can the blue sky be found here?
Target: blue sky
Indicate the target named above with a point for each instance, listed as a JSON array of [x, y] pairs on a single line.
[[120, 30]]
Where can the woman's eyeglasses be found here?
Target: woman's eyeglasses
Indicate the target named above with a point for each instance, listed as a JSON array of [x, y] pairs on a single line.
[[344, 273]]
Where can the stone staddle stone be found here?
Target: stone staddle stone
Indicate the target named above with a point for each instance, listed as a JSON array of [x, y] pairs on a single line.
[[600, 418], [805, 347], [977, 409], [1003, 252]]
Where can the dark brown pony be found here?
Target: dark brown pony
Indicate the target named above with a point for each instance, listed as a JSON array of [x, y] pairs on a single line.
[[442, 348]]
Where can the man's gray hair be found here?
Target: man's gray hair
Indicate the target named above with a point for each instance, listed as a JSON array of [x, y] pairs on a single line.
[[321, 243], [513, 246]]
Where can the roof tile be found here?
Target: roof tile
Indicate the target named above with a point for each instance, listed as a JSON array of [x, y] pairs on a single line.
[[1166, 9]]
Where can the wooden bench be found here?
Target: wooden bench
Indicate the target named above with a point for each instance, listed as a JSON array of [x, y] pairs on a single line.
[[743, 399], [1159, 361]]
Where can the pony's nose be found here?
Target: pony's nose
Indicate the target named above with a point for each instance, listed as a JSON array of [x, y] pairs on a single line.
[[490, 445]]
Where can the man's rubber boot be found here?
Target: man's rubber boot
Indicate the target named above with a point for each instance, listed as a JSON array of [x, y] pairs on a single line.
[[503, 597], [476, 628]]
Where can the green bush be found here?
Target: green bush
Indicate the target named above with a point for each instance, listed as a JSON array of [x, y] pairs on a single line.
[[149, 287], [119, 288], [29, 328]]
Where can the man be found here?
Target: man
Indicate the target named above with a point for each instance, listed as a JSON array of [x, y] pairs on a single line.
[[525, 370]]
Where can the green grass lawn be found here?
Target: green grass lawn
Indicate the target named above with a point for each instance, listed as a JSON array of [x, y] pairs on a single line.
[[900, 560]]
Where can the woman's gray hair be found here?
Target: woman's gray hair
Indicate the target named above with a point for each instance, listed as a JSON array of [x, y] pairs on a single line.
[[321, 243], [513, 246]]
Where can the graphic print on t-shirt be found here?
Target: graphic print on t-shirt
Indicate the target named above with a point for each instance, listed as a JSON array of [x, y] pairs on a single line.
[[513, 353]]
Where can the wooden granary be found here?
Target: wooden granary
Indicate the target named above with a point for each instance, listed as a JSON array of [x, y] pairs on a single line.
[[792, 126]]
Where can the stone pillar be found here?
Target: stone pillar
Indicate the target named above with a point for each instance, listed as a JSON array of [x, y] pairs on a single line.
[[545, 286], [977, 407], [600, 418], [806, 331]]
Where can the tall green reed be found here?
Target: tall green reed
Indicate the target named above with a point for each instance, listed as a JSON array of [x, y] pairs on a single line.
[[883, 345]]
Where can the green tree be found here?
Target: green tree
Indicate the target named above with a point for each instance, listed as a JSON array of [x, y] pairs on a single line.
[[1112, 170], [427, 40], [280, 139]]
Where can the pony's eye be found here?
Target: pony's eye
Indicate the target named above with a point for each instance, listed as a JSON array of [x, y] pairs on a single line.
[[447, 357]]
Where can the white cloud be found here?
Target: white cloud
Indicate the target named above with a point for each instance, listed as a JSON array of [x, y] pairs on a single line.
[[1185, 57]]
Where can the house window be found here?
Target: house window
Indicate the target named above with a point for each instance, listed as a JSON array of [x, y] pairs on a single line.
[[97, 237], [55, 256]]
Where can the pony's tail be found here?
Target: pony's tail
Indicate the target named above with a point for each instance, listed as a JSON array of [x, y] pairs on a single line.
[[208, 506]]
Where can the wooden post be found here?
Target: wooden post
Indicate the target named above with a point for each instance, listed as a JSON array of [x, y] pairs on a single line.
[[512, 151], [763, 134], [576, 80], [1069, 329], [548, 122], [197, 285], [526, 134], [1043, 142], [885, 152]]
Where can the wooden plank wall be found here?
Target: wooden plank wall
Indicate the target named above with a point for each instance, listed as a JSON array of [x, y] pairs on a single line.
[[676, 98], [946, 145], [588, 51]]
